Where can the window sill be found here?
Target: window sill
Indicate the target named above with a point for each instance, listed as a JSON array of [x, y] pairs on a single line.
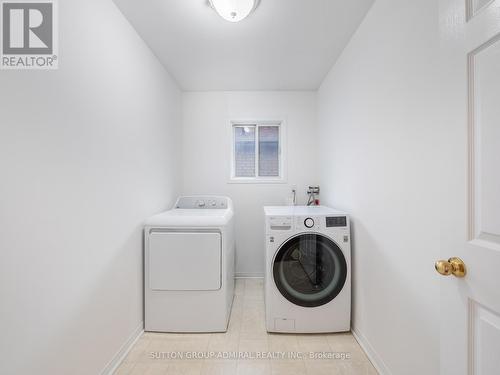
[[271, 181]]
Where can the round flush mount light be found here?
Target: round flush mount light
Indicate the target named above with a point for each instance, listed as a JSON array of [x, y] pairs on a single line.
[[234, 10]]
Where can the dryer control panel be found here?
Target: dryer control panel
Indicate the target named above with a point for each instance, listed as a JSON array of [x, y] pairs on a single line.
[[202, 202]]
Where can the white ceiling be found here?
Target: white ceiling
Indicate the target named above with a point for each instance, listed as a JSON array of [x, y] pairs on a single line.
[[284, 45]]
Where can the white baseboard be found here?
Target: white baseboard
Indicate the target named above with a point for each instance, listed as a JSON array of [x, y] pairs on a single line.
[[373, 356], [249, 275], [118, 358]]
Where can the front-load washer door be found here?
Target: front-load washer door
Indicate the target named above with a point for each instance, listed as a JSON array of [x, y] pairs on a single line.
[[185, 260], [309, 270]]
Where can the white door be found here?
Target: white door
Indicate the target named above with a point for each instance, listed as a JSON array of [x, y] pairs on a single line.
[[470, 306]]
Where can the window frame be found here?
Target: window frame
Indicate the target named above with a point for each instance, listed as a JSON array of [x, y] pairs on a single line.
[[281, 178]]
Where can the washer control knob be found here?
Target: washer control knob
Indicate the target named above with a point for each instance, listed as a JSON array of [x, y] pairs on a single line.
[[309, 222], [201, 204]]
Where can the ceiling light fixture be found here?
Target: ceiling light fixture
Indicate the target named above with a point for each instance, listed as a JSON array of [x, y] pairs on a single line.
[[234, 10]]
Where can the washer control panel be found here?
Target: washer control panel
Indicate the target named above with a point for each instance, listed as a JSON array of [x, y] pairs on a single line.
[[336, 221], [279, 223], [308, 223], [320, 222]]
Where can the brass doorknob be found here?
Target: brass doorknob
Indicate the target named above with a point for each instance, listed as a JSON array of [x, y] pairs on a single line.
[[455, 266]]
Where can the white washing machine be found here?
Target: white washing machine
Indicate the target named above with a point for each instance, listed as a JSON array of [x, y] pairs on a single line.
[[189, 266], [308, 275]]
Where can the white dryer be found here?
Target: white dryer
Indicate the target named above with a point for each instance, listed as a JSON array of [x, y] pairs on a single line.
[[189, 266], [308, 275]]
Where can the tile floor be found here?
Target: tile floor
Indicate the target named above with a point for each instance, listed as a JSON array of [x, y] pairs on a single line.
[[246, 333]]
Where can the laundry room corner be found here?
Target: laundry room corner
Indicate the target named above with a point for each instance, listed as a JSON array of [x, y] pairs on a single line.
[[206, 153]]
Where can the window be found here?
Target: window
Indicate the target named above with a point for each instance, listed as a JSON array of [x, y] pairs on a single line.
[[257, 152]]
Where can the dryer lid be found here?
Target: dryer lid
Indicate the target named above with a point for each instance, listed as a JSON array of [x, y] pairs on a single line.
[[187, 218]]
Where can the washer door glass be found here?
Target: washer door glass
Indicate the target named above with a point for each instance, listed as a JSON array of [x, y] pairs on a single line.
[[309, 270]]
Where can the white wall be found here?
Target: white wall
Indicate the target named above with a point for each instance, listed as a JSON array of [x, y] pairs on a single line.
[[207, 152], [380, 160], [86, 153]]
